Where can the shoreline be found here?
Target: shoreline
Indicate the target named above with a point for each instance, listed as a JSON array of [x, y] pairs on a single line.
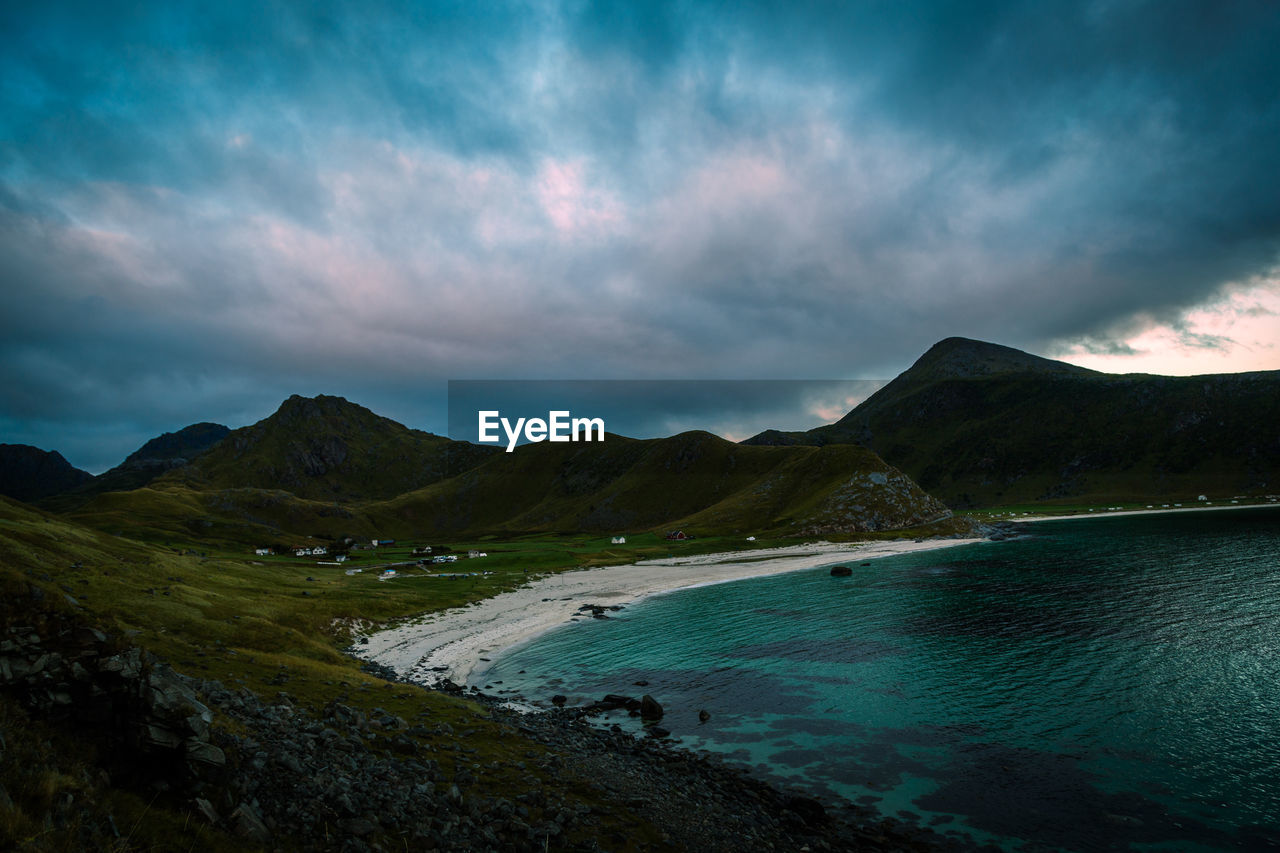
[[1017, 519], [454, 644]]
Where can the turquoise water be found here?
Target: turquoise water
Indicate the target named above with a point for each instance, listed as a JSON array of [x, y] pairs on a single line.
[[1106, 683]]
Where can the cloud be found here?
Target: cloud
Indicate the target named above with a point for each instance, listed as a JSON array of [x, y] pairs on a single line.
[[1235, 330], [202, 211]]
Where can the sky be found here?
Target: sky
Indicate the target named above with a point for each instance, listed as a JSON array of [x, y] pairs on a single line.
[[207, 208]]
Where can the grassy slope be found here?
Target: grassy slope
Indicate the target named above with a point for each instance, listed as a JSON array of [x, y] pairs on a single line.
[[692, 479], [249, 624], [622, 485]]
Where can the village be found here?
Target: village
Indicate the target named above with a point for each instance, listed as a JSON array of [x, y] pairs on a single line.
[[386, 564]]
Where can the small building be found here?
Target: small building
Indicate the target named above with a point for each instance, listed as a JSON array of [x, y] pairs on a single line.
[[619, 540], [341, 558], [471, 555], [677, 534], [264, 552], [1202, 498], [302, 552]]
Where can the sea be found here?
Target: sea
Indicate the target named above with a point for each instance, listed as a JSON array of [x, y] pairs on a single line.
[[1095, 684]]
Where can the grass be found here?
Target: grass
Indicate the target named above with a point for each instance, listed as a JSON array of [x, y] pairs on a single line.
[[215, 612]]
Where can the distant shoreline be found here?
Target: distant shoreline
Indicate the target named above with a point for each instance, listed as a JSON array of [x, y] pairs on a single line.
[[452, 643], [1121, 512]]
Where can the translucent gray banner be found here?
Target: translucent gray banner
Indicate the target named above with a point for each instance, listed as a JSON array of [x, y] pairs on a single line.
[[734, 409]]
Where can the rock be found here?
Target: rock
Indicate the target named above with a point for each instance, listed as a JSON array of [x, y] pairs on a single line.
[[160, 737], [841, 571], [615, 699], [703, 716], [203, 753], [359, 827], [559, 699], [205, 809], [649, 708], [809, 810], [657, 731], [246, 824]]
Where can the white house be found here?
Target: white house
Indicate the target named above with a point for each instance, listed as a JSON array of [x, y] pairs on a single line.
[[619, 540], [263, 552], [341, 558]]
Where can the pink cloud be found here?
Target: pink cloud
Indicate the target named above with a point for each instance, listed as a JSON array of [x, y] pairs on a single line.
[[1239, 330]]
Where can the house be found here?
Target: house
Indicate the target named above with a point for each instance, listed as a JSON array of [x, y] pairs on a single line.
[[319, 551], [473, 554], [263, 552], [619, 540], [341, 558], [422, 551], [677, 534], [302, 552]]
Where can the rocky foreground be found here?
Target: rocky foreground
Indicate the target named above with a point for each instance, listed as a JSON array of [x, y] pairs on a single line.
[[272, 774]]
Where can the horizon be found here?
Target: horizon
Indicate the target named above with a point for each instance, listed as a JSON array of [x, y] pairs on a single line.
[[818, 403], [206, 211]]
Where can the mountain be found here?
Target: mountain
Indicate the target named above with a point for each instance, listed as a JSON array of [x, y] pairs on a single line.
[[328, 449], [160, 454], [328, 467], [28, 473], [980, 424]]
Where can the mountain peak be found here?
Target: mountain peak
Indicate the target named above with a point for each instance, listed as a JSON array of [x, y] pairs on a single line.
[[186, 443], [958, 358], [28, 473]]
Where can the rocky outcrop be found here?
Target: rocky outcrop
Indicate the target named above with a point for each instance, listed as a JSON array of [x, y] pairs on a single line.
[[150, 722]]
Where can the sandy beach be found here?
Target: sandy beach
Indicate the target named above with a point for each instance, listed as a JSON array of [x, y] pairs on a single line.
[[451, 644]]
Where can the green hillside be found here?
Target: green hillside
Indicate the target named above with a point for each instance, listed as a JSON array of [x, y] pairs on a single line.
[[692, 479], [979, 424], [328, 468], [326, 448]]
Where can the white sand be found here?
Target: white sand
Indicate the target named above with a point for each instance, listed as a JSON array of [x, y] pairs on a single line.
[[457, 639]]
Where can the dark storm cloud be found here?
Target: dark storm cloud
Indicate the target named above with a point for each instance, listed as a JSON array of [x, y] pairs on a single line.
[[204, 209]]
